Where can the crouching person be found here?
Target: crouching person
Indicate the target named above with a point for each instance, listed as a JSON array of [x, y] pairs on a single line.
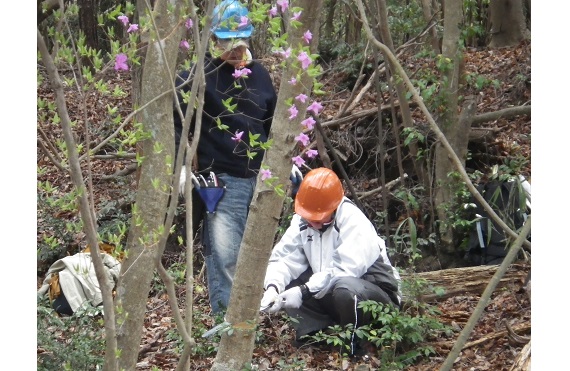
[[329, 259]]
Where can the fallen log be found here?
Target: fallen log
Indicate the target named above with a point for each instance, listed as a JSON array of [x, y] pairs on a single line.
[[467, 280]]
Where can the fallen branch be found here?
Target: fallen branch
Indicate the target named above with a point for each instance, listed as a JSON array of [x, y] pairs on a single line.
[[504, 113]]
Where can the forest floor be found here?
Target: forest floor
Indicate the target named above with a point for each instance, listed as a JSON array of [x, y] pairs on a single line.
[[489, 346]]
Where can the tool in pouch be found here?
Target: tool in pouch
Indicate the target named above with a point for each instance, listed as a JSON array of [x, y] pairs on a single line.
[[210, 189]]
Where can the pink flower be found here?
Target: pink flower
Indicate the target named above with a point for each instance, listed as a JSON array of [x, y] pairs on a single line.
[[284, 53], [243, 72], [121, 62], [303, 138], [124, 19], [309, 123], [315, 107], [265, 174], [293, 111], [273, 11], [307, 36], [293, 81], [298, 161], [301, 98], [184, 45], [304, 59], [237, 136], [189, 23], [133, 27], [312, 153], [243, 21], [284, 4], [296, 16]]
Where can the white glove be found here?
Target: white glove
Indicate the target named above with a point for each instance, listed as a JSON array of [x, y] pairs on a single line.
[[270, 297], [292, 298], [182, 180], [318, 281]]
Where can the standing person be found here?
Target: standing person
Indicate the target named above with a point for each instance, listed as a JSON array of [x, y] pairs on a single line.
[[329, 259], [230, 73]]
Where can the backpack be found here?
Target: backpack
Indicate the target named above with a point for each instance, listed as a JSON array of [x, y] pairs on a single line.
[[487, 243]]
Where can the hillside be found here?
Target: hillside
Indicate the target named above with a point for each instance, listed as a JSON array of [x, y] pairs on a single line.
[[489, 348]]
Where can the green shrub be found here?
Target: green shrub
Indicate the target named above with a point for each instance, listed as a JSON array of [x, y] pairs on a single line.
[[69, 342]]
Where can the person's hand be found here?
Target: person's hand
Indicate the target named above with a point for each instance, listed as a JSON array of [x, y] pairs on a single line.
[[270, 297], [182, 180], [292, 298], [318, 281]]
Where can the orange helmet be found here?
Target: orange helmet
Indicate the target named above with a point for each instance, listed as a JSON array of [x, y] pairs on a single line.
[[319, 195]]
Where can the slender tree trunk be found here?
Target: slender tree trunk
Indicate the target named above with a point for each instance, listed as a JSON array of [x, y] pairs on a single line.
[[88, 25], [429, 17], [386, 38], [146, 239], [448, 122], [236, 350]]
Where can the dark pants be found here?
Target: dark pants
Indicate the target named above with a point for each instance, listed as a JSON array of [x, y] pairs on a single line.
[[339, 306]]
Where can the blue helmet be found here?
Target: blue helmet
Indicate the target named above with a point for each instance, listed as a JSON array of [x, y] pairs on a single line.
[[227, 18]]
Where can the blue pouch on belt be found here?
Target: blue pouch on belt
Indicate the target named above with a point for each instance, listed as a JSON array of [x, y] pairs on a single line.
[[210, 189]]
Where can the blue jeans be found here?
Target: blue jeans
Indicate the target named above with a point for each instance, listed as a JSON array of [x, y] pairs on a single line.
[[223, 232]]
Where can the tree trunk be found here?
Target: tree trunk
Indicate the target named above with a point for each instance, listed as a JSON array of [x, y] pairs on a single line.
[[353, 27], [448, 123], [236, 350], [508, 23], [429, 17], [329, 22], [146, 239], [88, 25], [468, 280]]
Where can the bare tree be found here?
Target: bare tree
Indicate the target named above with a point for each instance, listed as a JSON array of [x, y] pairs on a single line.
[[236, 349], [149, 227]]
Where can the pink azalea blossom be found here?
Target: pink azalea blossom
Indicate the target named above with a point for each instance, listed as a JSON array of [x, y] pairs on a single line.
[[189, 24], [296, 16], [303, 138], [308, 36], [237, 136], [298, 160], [301, 98], [265, 174], [133, 27], [315, 107], [304, 59], [293, 111], [243, 72], [312, 153], [121, 62], [284, 4], [284, 53], [184, 45], [293, 81], [309, 123], [124, 19], [273, 11], [243, 21]]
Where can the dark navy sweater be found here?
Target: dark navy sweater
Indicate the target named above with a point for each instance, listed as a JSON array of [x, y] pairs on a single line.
[[255, 99]]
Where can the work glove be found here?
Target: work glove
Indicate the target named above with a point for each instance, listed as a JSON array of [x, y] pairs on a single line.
[[270, 297], [182, 180], [318, 281], [296, 178], [292, 298]]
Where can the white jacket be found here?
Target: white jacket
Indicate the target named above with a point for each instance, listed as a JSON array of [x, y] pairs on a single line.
[[78, 280], [349, 247]]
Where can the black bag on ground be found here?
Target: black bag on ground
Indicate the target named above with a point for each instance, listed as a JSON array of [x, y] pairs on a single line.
[[488, 244]]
